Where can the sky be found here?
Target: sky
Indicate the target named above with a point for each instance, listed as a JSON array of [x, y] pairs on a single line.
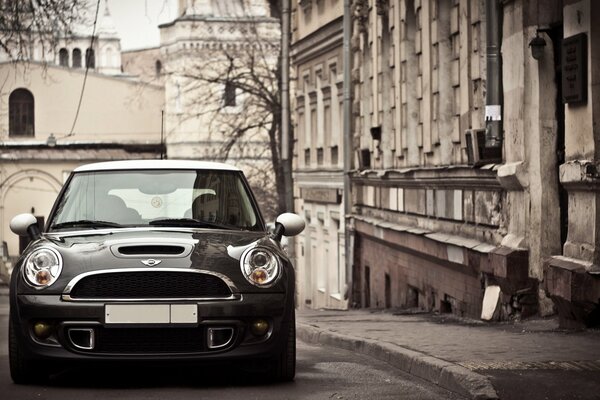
[[137, 20]]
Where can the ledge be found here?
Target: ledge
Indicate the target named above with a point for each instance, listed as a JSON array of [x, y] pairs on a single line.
[[580, 175], [441, 238], [513, 176], [456, 177]]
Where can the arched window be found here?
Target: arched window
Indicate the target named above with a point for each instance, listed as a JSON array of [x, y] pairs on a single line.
[[63, 57], [90, 59], [20, 110], [76, 58], [158, 68]]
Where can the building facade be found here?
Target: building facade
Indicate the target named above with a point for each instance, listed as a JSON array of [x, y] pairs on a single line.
[[317, 106], [218, 61], [446, 216]]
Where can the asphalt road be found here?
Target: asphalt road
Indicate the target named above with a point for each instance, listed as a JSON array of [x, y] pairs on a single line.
[[322, 373]]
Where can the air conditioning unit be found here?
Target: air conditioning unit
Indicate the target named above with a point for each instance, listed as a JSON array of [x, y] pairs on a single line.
[[477, 153]]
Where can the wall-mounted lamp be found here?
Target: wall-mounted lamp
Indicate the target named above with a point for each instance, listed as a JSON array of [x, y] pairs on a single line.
[[51, 141], [537, 44]]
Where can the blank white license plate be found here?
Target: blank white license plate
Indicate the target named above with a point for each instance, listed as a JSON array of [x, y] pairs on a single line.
[[151, 313]]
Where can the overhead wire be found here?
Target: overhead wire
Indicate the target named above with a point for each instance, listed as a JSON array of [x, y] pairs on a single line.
[[87, 68]]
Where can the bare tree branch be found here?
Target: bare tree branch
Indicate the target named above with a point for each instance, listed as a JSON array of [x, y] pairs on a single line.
[[251, 64], [25, 24]]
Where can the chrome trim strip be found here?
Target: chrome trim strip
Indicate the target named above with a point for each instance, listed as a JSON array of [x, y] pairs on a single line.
[[235, 293], [233, 297], [92, 341]]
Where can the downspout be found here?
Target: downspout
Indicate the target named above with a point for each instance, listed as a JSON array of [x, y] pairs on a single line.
[[493, 96], [347, 140], [285, 100], [286, 142]]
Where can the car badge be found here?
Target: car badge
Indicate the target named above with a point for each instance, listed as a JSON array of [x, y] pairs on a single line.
[[151, 262]]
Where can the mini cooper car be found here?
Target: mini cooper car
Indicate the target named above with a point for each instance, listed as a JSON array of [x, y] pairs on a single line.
[[153, 260]]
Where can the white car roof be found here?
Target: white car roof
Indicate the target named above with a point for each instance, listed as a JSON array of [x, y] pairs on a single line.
[[155, 164]]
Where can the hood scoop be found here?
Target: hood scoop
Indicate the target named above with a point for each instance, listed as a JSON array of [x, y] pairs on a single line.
[[145, 250]]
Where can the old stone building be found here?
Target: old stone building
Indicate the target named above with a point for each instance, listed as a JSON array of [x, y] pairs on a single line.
[[474, 171], [207, 115], [318, 105], [144, 64]]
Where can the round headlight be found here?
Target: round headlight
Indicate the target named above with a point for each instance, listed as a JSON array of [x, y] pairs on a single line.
[[42, 267], [260, 266]]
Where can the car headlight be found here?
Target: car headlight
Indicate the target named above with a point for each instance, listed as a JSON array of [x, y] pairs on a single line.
[[260, 266], [42, 267]]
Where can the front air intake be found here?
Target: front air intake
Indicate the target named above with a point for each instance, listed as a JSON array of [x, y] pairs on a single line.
[[81, 338]]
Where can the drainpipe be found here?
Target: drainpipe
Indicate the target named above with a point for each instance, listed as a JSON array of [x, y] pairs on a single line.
[[347, 140], [286, 142], [493, 97], [285, 103]]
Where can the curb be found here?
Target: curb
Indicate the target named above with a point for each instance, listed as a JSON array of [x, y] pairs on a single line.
[[445, 374]]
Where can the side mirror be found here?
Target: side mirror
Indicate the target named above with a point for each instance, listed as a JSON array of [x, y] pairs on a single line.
[[25, 225], [288, 224]]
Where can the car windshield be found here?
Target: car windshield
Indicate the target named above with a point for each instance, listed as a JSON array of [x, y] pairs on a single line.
[[182, 198]]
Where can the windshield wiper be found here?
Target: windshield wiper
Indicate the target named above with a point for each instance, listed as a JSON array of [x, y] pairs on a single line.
[[189, 222], [86, 223]]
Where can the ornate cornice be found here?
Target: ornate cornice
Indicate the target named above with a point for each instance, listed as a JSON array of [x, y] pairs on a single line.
[[325, 39]]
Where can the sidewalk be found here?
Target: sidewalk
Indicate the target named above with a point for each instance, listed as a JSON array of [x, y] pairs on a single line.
[[455, 354]]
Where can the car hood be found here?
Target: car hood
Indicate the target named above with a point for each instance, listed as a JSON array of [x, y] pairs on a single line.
[[202, 249]]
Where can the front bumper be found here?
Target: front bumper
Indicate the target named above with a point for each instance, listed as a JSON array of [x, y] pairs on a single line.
[[129, 342]]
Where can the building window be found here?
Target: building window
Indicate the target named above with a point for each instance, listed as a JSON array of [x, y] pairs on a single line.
[[76, 58], [90, 59], [320, 156], [334, 155], [20, 110], [63, 57], [229, 95], [109, 57], [158, 68]]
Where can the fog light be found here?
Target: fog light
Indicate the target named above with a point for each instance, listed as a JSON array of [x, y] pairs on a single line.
[[259, 327], [42, 330]]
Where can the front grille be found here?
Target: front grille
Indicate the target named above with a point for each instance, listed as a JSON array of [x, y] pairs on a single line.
[[150, 340], [150, 285]]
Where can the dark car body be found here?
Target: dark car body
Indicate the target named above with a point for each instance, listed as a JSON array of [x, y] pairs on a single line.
[[144, 292]]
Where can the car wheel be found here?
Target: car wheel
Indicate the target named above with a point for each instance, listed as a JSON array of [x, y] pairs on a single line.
[[21, 370], [284, 369]]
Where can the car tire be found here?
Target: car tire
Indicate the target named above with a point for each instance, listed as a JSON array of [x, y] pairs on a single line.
[[284, 369], [21, 370]]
